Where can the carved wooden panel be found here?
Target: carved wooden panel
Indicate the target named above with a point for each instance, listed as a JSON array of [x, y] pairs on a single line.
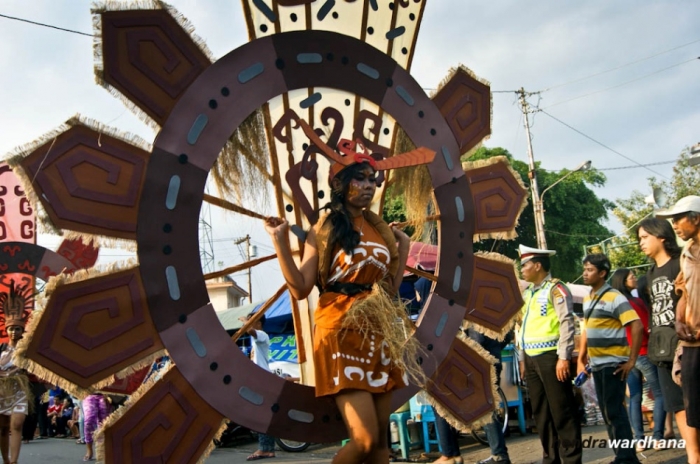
[[169, 423], [94, 328], [149, 58], [498, 198], [465, 102], [495, 297], [462, 383], [89, 182]]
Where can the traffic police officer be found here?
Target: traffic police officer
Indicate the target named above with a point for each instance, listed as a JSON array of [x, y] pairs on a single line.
[[547, 343]]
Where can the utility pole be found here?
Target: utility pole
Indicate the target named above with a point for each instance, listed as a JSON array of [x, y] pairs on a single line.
[[246, 239], [536, 204], [206, 241]]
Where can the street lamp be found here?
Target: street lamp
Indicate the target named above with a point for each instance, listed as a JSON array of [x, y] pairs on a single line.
[[539, 206], [694, 155]]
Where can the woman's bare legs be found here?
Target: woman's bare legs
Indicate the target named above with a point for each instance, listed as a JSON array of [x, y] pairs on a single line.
[[366, 417], [16, 422], [5, 437], [382, 405]]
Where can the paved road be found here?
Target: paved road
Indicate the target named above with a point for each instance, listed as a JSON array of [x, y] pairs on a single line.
[[523, 450]]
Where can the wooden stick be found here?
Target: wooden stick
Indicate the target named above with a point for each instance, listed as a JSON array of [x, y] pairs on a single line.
[[420, 273], [249, 323], [241, 267], [225, 204]]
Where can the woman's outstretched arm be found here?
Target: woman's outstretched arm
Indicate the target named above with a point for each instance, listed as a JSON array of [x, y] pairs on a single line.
[[300, 279]]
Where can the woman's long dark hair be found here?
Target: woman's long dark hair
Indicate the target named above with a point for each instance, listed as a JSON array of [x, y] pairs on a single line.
[[661, 229], [343, 232], [643, 289], [617, 281]]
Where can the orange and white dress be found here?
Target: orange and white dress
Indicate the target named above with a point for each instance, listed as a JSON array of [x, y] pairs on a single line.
[[343, 357]]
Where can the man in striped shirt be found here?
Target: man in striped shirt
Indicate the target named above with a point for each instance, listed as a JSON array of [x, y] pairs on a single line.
[[604, 346]]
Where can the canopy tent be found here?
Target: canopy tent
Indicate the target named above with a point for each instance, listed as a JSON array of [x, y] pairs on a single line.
[[278, 317], [229, 317], [422, 256]]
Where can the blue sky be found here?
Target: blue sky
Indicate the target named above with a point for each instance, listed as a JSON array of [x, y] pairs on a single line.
[[47, 76]]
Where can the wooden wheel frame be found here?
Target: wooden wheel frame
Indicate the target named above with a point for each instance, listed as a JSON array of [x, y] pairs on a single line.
[[155, 198]]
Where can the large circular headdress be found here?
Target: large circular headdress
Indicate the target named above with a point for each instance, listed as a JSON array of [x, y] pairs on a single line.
[[233, 117]]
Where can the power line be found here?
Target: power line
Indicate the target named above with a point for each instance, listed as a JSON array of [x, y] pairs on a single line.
[[572, 235], [602, 144], [624, 83], [637, 166], [44, 25], [621, 66]]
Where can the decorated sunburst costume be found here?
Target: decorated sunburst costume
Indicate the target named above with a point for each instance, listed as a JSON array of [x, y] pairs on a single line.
[[342, 66]]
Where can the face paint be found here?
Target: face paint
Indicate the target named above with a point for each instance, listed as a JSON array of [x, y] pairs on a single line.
[[361, 188], [354, 188]]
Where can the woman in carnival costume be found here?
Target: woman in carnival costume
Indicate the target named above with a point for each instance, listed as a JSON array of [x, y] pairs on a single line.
[[361, 354], [14, 384]]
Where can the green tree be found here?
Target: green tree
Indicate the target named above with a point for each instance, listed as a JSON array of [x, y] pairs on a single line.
[[624, 251], [573, 215]]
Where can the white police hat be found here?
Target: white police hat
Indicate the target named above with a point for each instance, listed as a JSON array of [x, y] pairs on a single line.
[[527, 253]]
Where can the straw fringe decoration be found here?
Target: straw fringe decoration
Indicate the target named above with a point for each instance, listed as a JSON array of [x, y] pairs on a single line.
[[378, 313], [503, 235], [241, 169], [511, 323], [486, 417], [101, 241], [111, 5], [146, 361], [84, 274], [450, 75], [97, 126], [415, 185], [212, 446]]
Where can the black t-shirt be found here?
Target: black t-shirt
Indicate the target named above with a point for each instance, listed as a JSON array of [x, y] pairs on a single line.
[[663, 292]]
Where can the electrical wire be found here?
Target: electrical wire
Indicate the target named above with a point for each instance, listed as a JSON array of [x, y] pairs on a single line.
[[603, 145], [44, 25], [572, 235], [626, 230], [637, 166], [621, 66], [620, 85]]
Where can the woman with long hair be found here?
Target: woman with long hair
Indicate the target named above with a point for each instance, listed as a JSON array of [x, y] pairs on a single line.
[[625, 281], [357, 262]]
